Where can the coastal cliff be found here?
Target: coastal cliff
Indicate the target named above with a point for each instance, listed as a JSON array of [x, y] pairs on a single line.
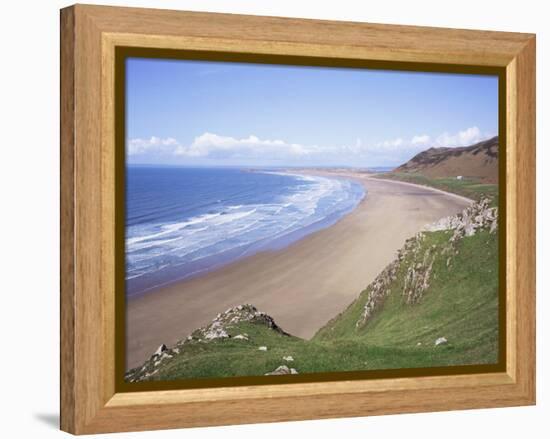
[[435, 304]]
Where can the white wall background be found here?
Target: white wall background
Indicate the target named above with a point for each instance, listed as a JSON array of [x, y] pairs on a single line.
[[29, 174]]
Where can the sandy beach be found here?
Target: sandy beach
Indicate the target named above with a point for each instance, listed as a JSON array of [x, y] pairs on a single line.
[[301, 286]]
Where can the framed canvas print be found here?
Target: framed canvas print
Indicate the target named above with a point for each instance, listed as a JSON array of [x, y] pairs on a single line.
[[268, 219]]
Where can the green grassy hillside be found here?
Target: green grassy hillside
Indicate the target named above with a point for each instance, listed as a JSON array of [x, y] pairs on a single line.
[[444, 283], [460, 304]]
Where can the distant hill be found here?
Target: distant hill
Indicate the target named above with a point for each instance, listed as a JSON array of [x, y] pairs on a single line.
[[479, 161]]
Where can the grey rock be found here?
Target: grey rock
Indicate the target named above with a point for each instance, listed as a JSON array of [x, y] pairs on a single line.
[[440, 341], [218, 328], [238, 314], [378, 291], [283, 370], [160, 349], [477, 216]]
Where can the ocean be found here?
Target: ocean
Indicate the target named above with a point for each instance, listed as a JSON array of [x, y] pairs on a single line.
[[181, 222]]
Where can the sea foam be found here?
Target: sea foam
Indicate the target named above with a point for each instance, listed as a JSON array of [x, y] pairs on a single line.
[[160, 252]]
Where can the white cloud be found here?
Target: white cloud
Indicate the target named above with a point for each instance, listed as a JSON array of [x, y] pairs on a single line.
[[215, 146], [469, 136], [391, 144], [399, 150], [463, 138], [152, 145], [421, 140], [209, 146]]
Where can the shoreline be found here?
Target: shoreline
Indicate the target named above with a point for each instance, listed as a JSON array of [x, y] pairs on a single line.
[[303, 285], [441, 191], [218, 261]]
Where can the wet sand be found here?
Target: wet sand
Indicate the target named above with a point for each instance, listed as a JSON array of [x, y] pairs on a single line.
[[303, 285]]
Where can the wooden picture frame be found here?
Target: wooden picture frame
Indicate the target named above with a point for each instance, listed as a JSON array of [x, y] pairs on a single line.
[[91, 402]]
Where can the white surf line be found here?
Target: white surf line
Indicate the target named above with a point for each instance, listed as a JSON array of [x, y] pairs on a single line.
[[433, 189]]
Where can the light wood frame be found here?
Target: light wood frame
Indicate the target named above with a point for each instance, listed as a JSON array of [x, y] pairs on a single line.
[[89, 36]]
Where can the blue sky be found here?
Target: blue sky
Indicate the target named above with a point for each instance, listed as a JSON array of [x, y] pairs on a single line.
[[211, 113]]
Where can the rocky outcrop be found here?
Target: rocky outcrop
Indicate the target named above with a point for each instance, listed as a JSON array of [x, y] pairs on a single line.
[[417, 260], [477, 216], [162, 348], [151, 367], [378, 291], [219, 329], [283, 370], [417, 278]]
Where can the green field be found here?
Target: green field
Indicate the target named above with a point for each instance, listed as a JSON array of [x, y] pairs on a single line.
[[467, 187]]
